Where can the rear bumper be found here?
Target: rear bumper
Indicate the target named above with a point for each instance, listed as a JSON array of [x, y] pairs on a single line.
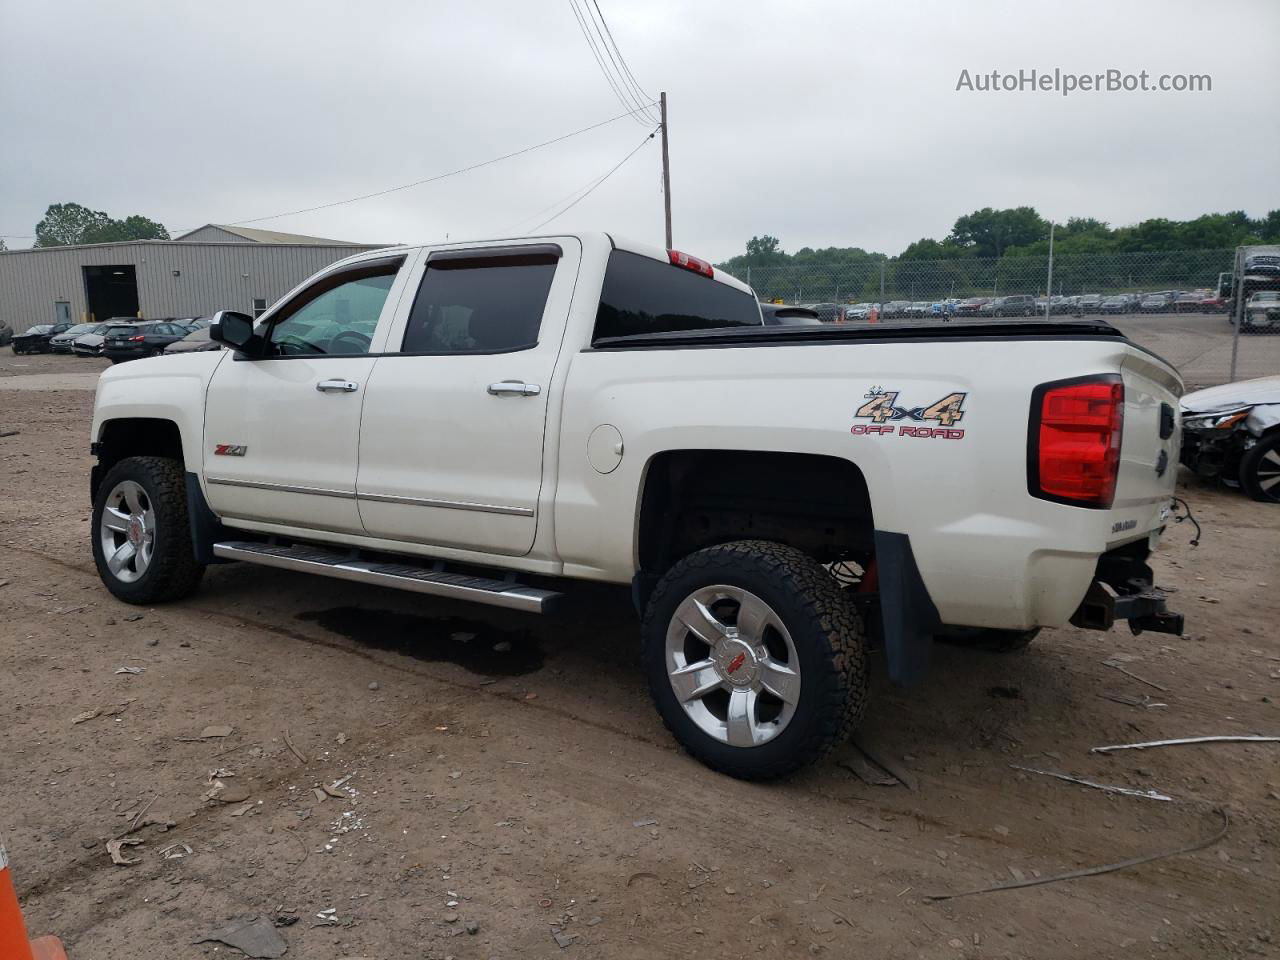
[[125, 353], [1123, 590]]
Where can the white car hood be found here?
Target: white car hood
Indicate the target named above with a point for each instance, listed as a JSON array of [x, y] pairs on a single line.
[[1263, 394]]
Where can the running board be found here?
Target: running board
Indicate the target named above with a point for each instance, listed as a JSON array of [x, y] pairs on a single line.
[[400, 576]]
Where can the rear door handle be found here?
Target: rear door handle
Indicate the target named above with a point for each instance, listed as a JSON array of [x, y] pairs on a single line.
[[337, 386], [514, 388]]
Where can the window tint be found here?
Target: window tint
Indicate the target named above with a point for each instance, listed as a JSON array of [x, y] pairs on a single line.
[[642, 295], [480, 304], [335, 315]]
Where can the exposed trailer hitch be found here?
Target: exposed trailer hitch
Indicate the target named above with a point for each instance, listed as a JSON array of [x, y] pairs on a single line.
[[1144, 609], [1122, 589]]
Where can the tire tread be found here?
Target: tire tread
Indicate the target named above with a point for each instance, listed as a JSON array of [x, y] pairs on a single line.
[[176, 571], [845, 696]]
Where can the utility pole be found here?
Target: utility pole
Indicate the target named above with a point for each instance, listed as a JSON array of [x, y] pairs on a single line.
[[666, 166]]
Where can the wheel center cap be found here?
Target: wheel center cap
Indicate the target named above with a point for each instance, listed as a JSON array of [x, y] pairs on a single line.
[[736, 662], [136, 531]]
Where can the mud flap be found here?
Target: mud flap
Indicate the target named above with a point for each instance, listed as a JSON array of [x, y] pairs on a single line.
[[206, 528], [909, 616]]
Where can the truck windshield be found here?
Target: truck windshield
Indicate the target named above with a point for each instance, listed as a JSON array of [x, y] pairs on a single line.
[[643, 295]]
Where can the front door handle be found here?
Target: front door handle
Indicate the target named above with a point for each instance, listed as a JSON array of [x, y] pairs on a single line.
[[337, 386], [514, 388]]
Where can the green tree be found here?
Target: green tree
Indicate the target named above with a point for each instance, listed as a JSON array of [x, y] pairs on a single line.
[[65, 224], [763, 247], [988, 232], [131, 228]]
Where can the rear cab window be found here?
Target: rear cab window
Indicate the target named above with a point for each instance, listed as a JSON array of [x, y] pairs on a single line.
[[642, 295]]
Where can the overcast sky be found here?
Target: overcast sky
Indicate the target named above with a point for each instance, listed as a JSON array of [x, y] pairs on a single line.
[[823, 123]]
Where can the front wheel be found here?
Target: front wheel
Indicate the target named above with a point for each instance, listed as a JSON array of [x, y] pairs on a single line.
[[141, 532], [1260, 469], [754, 658]]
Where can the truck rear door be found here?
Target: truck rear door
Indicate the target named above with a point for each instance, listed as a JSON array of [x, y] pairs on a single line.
[[451, 439]]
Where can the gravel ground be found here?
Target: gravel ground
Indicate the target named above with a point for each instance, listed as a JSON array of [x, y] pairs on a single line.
[[508, 775]]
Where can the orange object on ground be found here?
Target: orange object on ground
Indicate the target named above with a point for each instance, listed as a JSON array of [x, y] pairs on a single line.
[[13, 932]]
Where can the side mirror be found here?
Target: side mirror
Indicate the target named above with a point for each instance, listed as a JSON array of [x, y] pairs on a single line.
[[236, 331]]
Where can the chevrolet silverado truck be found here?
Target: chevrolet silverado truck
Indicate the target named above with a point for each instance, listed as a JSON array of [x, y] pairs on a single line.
[[488, 421]]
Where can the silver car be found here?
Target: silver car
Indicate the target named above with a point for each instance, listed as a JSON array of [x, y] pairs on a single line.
[[1232, 432], [63, 341]]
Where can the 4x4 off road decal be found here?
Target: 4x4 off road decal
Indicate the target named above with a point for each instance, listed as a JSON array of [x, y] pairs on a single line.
[[891, 419]]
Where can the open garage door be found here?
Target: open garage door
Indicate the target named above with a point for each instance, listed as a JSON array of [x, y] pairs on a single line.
[[111, 291]]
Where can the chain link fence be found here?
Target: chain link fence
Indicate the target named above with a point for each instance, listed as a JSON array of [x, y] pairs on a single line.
[[1175, 303], [888, 279]]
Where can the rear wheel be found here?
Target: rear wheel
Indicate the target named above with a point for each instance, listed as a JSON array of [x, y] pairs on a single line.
[[754, 658], [1260, 469], [141, 532]]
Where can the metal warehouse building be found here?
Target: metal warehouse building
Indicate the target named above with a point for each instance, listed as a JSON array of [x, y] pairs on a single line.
[[212, 268]]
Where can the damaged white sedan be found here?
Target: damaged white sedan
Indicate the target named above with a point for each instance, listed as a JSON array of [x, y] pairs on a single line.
[[1233, 432]]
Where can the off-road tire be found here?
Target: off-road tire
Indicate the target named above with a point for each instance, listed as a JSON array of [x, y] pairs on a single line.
[[829, 639], [173, 572], [1255, 459]]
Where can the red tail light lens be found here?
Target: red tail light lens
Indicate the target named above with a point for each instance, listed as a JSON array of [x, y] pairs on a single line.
[[1075, 433], [691, 263], [136, 339]]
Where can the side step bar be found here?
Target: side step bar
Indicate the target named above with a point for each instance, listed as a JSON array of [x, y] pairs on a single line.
[[401, 576]]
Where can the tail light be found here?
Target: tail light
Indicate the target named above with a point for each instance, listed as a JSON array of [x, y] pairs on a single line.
[[691, 263], [136, 339], [1074, 440]]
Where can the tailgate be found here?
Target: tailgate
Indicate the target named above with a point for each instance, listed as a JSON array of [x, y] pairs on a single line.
[[1149, 446]]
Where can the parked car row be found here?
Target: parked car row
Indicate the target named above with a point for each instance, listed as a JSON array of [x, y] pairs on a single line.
[[118, 339], [1026, 305]]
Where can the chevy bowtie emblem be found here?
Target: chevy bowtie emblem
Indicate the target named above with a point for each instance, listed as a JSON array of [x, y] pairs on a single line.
[[230, 450], [736, 662]]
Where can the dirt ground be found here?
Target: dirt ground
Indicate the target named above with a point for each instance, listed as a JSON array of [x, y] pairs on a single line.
[[490, 799]]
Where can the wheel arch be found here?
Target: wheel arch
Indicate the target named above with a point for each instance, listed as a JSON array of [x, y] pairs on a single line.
[[122, 437], [695, 498]]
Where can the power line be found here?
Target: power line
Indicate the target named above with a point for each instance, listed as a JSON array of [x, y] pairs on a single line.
[[620, 91], [590, 189], [609, 52], [433, 179], [635, 84]]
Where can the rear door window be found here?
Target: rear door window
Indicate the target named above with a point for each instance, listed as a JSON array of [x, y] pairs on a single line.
[[643, 295], [482, 301]]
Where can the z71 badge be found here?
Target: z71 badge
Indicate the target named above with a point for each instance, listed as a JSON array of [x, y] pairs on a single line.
[[883, 409]]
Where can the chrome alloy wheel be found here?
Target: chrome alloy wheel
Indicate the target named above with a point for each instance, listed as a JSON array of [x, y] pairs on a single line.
[[733, 666], [128, 531]]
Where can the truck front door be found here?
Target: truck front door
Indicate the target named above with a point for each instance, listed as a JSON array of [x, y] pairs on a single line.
[[282, 431], [451, 447]]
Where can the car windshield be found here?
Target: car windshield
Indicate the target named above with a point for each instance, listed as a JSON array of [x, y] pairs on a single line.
[[119, 331], [1267, 295], [40, 328], [78, 329]]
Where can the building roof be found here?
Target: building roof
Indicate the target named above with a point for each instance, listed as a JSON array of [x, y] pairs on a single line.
[[268, 236]]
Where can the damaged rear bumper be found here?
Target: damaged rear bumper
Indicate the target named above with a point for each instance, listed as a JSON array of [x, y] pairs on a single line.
[[1123, 589]]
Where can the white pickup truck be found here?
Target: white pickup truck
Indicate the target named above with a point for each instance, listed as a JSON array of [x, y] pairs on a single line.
[[487, 420]]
